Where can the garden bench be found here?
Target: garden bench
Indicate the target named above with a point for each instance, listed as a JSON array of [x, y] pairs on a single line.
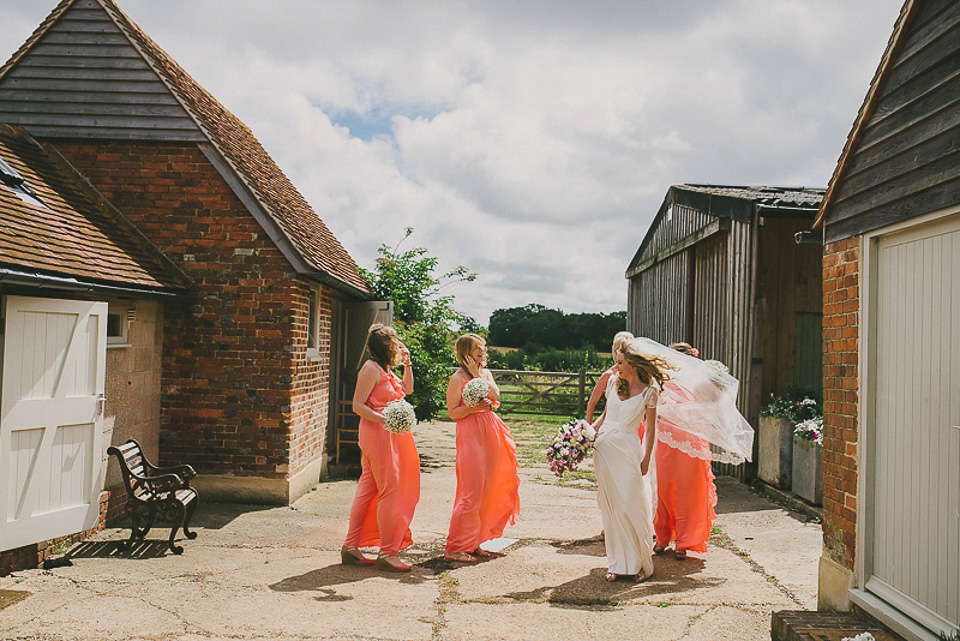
[[155, 494]]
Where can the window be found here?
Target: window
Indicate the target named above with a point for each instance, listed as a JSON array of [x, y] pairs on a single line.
[[118, 321], [313, 302], [12, 179]]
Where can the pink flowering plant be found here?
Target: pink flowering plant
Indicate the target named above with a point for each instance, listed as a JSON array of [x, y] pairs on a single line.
[[810, 430], [572, 443]]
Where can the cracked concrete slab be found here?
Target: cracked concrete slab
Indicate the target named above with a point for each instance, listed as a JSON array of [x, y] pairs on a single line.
[[274, 573]]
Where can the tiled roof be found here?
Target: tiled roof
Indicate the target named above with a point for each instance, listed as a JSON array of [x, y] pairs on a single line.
[[236, 142], [772, 196], [74, 232]]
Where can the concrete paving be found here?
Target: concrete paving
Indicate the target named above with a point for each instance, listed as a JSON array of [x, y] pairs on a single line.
[[274, 573]]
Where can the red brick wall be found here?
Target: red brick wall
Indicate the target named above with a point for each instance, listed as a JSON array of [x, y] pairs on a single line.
[[841, 326], [232, 400]]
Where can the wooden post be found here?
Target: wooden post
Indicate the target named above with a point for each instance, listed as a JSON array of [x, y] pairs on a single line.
[[581, 402]]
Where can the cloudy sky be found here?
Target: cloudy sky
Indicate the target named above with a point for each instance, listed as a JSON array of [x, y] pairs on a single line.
[[530, 140]]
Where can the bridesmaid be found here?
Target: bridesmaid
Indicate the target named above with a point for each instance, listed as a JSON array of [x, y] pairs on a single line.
[[620, 340], [389, 486], [487, 498], [686, 496]]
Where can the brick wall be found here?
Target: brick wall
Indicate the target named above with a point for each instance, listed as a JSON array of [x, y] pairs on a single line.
[[841, 326], [235, 388]]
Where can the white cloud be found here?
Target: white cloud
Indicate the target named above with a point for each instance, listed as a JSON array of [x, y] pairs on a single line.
[[530, 141]]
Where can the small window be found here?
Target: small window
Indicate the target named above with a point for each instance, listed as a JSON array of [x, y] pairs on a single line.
[[117, 323], [313, 302], [15, 183]]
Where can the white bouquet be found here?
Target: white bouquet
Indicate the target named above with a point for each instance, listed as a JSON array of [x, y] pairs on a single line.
[[399, 417], [717, 366], [475, 391]]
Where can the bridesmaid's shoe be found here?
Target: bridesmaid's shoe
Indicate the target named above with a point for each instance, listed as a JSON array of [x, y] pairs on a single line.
[[481, 553], [659, 549], [347, 557], [680, 555], [463, 557], [382, 564]]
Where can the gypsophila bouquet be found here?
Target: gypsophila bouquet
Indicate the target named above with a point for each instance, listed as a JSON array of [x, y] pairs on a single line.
[[573, 442], [399, 417], [811, 430], [717, 366], [475, 391]]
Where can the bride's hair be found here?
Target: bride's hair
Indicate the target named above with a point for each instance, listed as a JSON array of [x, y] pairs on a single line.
[[465, 345], [620, 341], [650, 370]]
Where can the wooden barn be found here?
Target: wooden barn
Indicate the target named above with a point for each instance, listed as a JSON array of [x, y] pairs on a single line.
[[720, 268], [891, 282]]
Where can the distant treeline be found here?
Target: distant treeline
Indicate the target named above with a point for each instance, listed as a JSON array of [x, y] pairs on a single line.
[[535, 327]]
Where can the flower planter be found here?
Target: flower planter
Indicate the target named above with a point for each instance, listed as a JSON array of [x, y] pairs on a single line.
[[808, 470], [775, 461]]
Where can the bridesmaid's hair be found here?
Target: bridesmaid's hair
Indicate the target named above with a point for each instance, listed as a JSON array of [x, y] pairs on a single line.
[[620, 341], [382, 345], [683, 348], [650, 370], [463, 347]]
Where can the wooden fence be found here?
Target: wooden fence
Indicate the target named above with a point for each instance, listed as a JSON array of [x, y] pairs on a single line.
[[556, 393]]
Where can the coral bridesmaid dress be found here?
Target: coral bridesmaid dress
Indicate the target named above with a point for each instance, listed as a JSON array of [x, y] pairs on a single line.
[[686, 497], [389, 486], [488, 497]]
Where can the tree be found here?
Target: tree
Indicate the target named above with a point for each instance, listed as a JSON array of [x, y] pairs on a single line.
[[536, 327], [423, 317]]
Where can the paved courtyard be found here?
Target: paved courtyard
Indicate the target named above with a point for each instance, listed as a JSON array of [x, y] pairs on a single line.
[[274, 573]]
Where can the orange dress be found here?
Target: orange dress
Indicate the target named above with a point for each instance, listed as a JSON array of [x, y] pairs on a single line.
[[488, 497], [389, 485], [686, 497]]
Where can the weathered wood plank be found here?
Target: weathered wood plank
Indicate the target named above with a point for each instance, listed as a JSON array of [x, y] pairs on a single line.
[[104, 39], [68, 25], [925, 60], [82, 85], [100, 74], [944, 170], [922, 33], [73, 62], [917, 134], [937, 197], [95, 97], [916, 88], [98, 120], [88, 109], [77, 49], [861, 181], [945, 98], [181, 135]]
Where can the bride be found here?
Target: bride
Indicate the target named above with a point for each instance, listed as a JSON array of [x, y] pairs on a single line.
[[622, 461]]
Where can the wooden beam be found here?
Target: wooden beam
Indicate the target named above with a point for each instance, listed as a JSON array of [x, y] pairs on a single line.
[[720, 224]]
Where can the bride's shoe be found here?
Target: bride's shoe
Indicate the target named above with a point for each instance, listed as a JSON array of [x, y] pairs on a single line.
[[640, 577], [610, 577], [348, 556]]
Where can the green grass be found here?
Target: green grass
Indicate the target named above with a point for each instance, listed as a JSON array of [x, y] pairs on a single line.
[[532, 433]]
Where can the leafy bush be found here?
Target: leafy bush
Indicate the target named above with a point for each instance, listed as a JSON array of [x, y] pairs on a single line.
[[424, 320], [797, 403]]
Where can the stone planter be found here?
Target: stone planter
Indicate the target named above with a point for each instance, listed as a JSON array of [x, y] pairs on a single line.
[[775, 461], [808, 470]]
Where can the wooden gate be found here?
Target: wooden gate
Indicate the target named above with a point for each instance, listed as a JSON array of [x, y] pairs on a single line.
[[554, 393]]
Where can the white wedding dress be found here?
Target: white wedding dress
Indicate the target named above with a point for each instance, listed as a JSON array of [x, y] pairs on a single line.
[[625, 496]]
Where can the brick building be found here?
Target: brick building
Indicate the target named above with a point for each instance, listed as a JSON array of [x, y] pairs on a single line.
[[891, 300], [255, 360]]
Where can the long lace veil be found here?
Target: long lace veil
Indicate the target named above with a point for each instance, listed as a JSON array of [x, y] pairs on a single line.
[[698, 408]]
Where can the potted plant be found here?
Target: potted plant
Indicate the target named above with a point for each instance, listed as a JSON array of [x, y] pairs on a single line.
[[797, 403], [808, 460]]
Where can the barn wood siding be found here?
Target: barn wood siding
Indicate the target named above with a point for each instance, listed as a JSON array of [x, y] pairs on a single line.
[[674, 224], [658, 300], [83, 79], [907, 161]]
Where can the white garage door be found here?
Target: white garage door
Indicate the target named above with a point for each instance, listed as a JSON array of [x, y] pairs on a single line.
[[51, 424], [913, 531]]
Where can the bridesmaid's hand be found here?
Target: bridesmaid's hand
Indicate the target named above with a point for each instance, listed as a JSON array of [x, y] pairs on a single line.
[[405, 356], [472, 366], [484, 404], [645, 466]]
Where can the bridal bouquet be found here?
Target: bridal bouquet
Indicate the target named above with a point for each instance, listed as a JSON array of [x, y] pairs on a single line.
[[399, 417], [573, 442], [475, 391]]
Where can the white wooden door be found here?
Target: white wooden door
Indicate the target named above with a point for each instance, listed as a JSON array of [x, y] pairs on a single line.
[[913, 528], [51, 423]]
